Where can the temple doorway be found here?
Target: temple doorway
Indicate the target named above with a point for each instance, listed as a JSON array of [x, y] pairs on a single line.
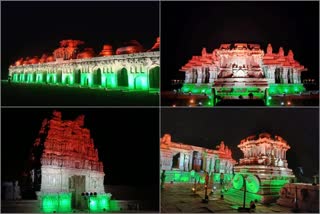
[[77, 77], [123, 78], [97, 77], [175, 161], [76, 187], [67, 81], [154, 77]]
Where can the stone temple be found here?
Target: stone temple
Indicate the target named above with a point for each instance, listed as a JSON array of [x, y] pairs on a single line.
[[264, 167], [64, 164], [184, 163], [243, 70], [131, 67]]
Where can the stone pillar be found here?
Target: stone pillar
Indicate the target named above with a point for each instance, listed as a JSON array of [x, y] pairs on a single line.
[[181, 161], [190, 161], [199, 71]]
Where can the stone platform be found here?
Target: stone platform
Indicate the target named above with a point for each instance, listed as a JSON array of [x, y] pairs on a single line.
[[179, 198]]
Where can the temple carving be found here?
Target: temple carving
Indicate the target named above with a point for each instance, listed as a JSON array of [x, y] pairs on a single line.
[[64, 160], [242, 68]]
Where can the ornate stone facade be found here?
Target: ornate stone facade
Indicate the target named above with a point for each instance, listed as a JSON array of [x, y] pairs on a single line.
[[265, 166], [243, 68], [132, 69], [65, 154], [183, 157]]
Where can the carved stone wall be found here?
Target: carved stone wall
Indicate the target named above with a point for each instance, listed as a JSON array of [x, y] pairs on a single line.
[[64, 148]]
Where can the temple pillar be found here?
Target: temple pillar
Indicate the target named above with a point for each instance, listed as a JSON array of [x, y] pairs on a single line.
[[190, 161], [181, 161], [199, 79]]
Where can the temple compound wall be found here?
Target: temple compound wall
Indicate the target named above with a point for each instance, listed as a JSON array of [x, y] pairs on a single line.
[[130, 68], [263, 170], [183, 163], [242, 69], [65, 164]]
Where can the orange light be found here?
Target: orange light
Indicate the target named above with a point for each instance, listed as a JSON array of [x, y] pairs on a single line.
[[191, 101], [289, 103], [173, 105]]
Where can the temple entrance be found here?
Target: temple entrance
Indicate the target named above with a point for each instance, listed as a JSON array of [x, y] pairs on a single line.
[[97, 77], [175, 161], [67, 80], [77, 78], [123, 78], [59, 77], [76, 187], [194, 76], [154, 77]]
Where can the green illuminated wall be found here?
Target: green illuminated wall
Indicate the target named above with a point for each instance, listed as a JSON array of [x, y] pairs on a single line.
[[61, 202], [109, 80], [56, 202], [39, 78], [275, 89], [121, 79], [187, 177], [68, 78], [86, 79], [141, 82], [51, 78], [100, 203], [197, 88]]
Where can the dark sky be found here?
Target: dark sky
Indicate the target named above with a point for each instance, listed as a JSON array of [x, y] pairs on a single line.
[[187, 27], [33, 28], [207, 127], [127, 141]]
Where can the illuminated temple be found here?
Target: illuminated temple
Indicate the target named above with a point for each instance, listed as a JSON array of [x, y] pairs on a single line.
[[243, 70], [264, 167], [64, 163], [129, 68], [184, 163]]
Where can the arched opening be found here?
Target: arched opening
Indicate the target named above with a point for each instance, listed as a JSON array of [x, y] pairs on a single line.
[[59, 77], [154, 76], [97, 77], [175, 161], [34, 77], [67, 80], [123, 78], [207, 75], [194, 75], [77, 76], [277, 75]]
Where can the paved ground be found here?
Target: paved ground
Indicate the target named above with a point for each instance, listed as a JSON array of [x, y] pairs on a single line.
[[179, 198]]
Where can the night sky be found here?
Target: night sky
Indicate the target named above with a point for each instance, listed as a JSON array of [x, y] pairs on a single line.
[[187, 27], [33, 28], [208, 127], [127, 141]]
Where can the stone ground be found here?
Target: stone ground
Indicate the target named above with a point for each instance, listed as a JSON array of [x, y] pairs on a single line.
[[179, 198]]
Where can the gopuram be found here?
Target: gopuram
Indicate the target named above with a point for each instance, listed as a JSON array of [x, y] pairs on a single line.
[[64, 164], [187, 163], [263, 170], [128, 68], [243, 70]]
